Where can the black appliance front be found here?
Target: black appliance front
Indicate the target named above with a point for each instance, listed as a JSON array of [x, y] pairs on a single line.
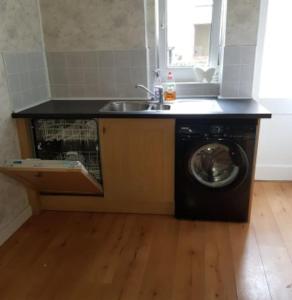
[[214, 166]]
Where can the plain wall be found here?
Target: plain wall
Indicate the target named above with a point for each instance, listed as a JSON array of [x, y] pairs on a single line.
[[20, 31], [95, 49], [274, 160]]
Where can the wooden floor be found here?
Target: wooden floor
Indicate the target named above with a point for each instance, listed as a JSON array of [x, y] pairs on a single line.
[[130, 257]]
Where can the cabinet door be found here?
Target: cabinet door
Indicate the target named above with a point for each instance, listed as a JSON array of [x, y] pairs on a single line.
[[137, 158]]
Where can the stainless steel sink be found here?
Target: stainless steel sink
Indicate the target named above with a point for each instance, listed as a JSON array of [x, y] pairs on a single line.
[[159, 106], [134, 106], [126, 106]]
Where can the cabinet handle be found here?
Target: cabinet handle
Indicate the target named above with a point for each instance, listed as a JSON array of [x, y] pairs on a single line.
[[103, 130]]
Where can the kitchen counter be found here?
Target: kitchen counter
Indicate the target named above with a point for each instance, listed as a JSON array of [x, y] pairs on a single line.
[[182, 108]]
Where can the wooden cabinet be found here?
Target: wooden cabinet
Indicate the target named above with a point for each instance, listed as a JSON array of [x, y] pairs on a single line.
[[137, 157], [137, 162]]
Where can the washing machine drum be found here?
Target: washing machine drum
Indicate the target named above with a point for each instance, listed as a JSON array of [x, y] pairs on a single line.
[[218, 164]]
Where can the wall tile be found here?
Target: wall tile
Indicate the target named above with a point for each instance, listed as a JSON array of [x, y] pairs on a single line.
[[36, 78], [245, 89], [24, 63], [25, 81], [17, 98], [26, 76], [76, 90], [27, 98], [43, 92], [99, 72], [124, 90], [11, 63], [75, 76], [91, 76], [56, 59], [60, 91], [123, 75], [91, 90], [138, 75], [137, 93], [122, 59], [246, 73], [231, 73], [230, 89], [108, 90], [138, 58], [58, 76], [106, 59], [90, 59], [74, 60], [247, 55], [240, 57], [14, 83], [232, 55], [107, 76]]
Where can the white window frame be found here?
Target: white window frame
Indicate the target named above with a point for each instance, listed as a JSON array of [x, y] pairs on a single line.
[[186, 74]]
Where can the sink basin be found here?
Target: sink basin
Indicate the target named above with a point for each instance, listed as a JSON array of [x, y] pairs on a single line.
[[134, 106], [126, 106], [159, 106]]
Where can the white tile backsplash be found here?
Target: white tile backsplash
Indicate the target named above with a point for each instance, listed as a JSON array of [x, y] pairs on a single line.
[[231, 73], [232, 55], [238, 71], [247, 55], [26, 78], [101, 73], [246, 73], [230, 89]]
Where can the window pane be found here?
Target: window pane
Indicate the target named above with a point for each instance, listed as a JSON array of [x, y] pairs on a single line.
[[188, 32]]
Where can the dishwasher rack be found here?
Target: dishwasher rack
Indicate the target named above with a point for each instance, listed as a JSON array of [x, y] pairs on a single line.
[[66, 139]]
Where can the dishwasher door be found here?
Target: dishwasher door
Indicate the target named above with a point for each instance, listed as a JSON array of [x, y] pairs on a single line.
[[52, 176]]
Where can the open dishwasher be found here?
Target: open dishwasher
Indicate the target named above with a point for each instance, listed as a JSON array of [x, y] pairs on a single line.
[[67, 158]]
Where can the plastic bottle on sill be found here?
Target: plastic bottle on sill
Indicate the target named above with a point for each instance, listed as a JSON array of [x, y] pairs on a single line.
[[170, 88]]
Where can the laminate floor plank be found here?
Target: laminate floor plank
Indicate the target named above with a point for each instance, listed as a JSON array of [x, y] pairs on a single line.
[[87, 256], [251, 281], [189, 271], [274, 253]]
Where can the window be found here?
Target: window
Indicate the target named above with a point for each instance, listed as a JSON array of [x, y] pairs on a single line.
[[189, 36]]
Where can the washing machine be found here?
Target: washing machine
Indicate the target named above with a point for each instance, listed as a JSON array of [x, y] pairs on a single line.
[[214, 162]]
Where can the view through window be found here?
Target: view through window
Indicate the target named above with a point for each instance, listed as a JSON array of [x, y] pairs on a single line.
[[188, 32]]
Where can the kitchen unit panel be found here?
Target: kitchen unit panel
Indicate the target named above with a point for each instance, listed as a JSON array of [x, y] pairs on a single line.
[[137, 156]]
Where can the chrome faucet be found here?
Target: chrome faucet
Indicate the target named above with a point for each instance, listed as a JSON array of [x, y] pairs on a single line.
[[156, 96]]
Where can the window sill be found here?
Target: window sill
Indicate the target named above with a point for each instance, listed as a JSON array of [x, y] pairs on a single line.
[[196, 83]]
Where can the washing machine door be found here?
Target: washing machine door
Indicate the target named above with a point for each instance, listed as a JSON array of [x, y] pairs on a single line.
[[218, 164]]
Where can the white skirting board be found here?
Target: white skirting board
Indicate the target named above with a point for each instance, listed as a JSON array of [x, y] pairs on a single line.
[[273, 172], [11, 227]]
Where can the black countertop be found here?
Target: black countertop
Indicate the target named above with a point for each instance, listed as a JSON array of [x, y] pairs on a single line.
[[183, 108]]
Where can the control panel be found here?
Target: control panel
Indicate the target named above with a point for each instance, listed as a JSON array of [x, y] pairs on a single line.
[[215, 131]]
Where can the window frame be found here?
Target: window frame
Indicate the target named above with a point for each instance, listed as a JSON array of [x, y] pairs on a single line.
[[186, 74]]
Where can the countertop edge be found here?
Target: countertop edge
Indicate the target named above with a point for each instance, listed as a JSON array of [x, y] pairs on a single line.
[[57, 109], [146, 116]]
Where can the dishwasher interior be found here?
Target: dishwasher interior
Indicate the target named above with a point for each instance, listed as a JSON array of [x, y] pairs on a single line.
[[69, 139]]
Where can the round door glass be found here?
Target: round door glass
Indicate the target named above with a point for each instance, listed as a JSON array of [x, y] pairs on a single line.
[[214, 165]]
